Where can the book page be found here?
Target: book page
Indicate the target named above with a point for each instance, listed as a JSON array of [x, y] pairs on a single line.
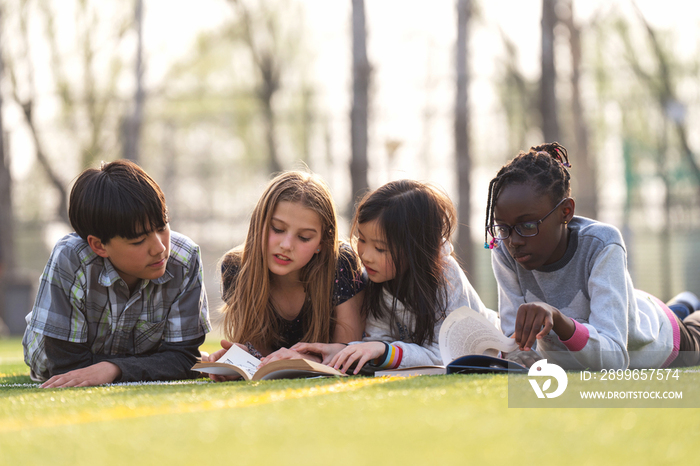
[[465, 331], [240, 358], [295, 368]]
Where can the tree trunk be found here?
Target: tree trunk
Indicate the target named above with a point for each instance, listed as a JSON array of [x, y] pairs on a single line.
[[269, 87], [7, 248], [464, 242], [358, 116], [584, 161], [133, 124], [548, 102], [60, 186]]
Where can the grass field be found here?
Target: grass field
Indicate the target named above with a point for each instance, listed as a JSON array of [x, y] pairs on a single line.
[[455, 419]]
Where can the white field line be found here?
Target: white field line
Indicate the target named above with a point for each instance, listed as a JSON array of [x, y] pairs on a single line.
[[248, 399]]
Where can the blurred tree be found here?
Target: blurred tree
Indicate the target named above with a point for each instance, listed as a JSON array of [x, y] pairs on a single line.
[[461, 128], [90, 108], [7, 246], [584, 174], [548, 93], [660, 140], [249, 74], [518, 96], [223, 131], [361, 75], [263, 41], [132, 125], [662, 87]]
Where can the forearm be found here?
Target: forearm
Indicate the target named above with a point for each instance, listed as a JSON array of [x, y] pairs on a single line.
[[563, 326], [172, 361], [419, 355], [400, 354], [64, 356]]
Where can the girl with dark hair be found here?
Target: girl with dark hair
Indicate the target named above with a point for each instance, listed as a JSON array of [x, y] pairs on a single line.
[[401, 234], [563, 281]]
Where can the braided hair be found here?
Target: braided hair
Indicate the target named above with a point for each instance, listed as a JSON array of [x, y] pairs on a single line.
[[545, 167]]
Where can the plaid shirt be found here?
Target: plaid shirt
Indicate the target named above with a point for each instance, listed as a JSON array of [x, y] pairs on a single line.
[[82, 299]]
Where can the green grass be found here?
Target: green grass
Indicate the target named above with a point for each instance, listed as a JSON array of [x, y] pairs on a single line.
[[424, 420]]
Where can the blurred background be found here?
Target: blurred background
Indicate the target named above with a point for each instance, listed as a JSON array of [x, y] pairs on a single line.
[[213, 97]]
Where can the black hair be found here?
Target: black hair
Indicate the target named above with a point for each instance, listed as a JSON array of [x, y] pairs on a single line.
[[545, 167], [118, 199], [417, 220]]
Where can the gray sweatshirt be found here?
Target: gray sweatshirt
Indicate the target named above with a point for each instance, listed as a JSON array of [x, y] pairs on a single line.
[[616, 326]]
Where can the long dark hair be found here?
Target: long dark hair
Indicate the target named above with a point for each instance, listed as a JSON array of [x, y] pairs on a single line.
[[416, 219]]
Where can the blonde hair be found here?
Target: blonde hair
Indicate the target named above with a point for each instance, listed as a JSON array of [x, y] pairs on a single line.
[[248, 313]]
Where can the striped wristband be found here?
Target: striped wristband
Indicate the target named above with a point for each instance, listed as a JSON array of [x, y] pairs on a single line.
[[391, 359]]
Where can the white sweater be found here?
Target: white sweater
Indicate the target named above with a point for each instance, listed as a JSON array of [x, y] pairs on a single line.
[[460, 293]]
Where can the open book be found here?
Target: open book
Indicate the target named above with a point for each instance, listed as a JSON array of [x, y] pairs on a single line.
[[237, 361], [464, 332]]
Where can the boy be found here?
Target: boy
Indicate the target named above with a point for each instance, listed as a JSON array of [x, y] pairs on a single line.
[[122, 298]]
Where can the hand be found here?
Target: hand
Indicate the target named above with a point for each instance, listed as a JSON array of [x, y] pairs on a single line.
[[215, 356], [361, 353], [97, 374], [535, 320], [324, 351], [285, 353]]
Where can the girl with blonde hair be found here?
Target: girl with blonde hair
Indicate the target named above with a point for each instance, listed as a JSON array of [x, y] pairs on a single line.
[[292, 280]]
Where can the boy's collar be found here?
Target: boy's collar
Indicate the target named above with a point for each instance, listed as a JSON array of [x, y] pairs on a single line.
[[109, 276]]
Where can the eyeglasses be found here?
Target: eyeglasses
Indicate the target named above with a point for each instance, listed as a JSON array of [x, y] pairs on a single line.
[[524, 229]]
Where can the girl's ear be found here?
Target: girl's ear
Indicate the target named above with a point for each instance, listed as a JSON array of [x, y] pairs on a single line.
[[569, 206], [97, 246]]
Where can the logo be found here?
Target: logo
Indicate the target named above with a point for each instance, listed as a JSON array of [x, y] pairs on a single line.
[[544, 369]]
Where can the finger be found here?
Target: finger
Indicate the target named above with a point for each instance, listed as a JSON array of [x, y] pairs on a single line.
[[519, 320], [61, 383], [217, 355], [526, 336], [306, 347], [341, 358], [535, 325], [349, 361], [363, 360], [226, 344], [54, 382], [335, 358], [548, 325], [48, 383]]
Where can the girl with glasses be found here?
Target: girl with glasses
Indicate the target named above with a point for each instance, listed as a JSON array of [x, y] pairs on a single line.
[[563, 283]]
